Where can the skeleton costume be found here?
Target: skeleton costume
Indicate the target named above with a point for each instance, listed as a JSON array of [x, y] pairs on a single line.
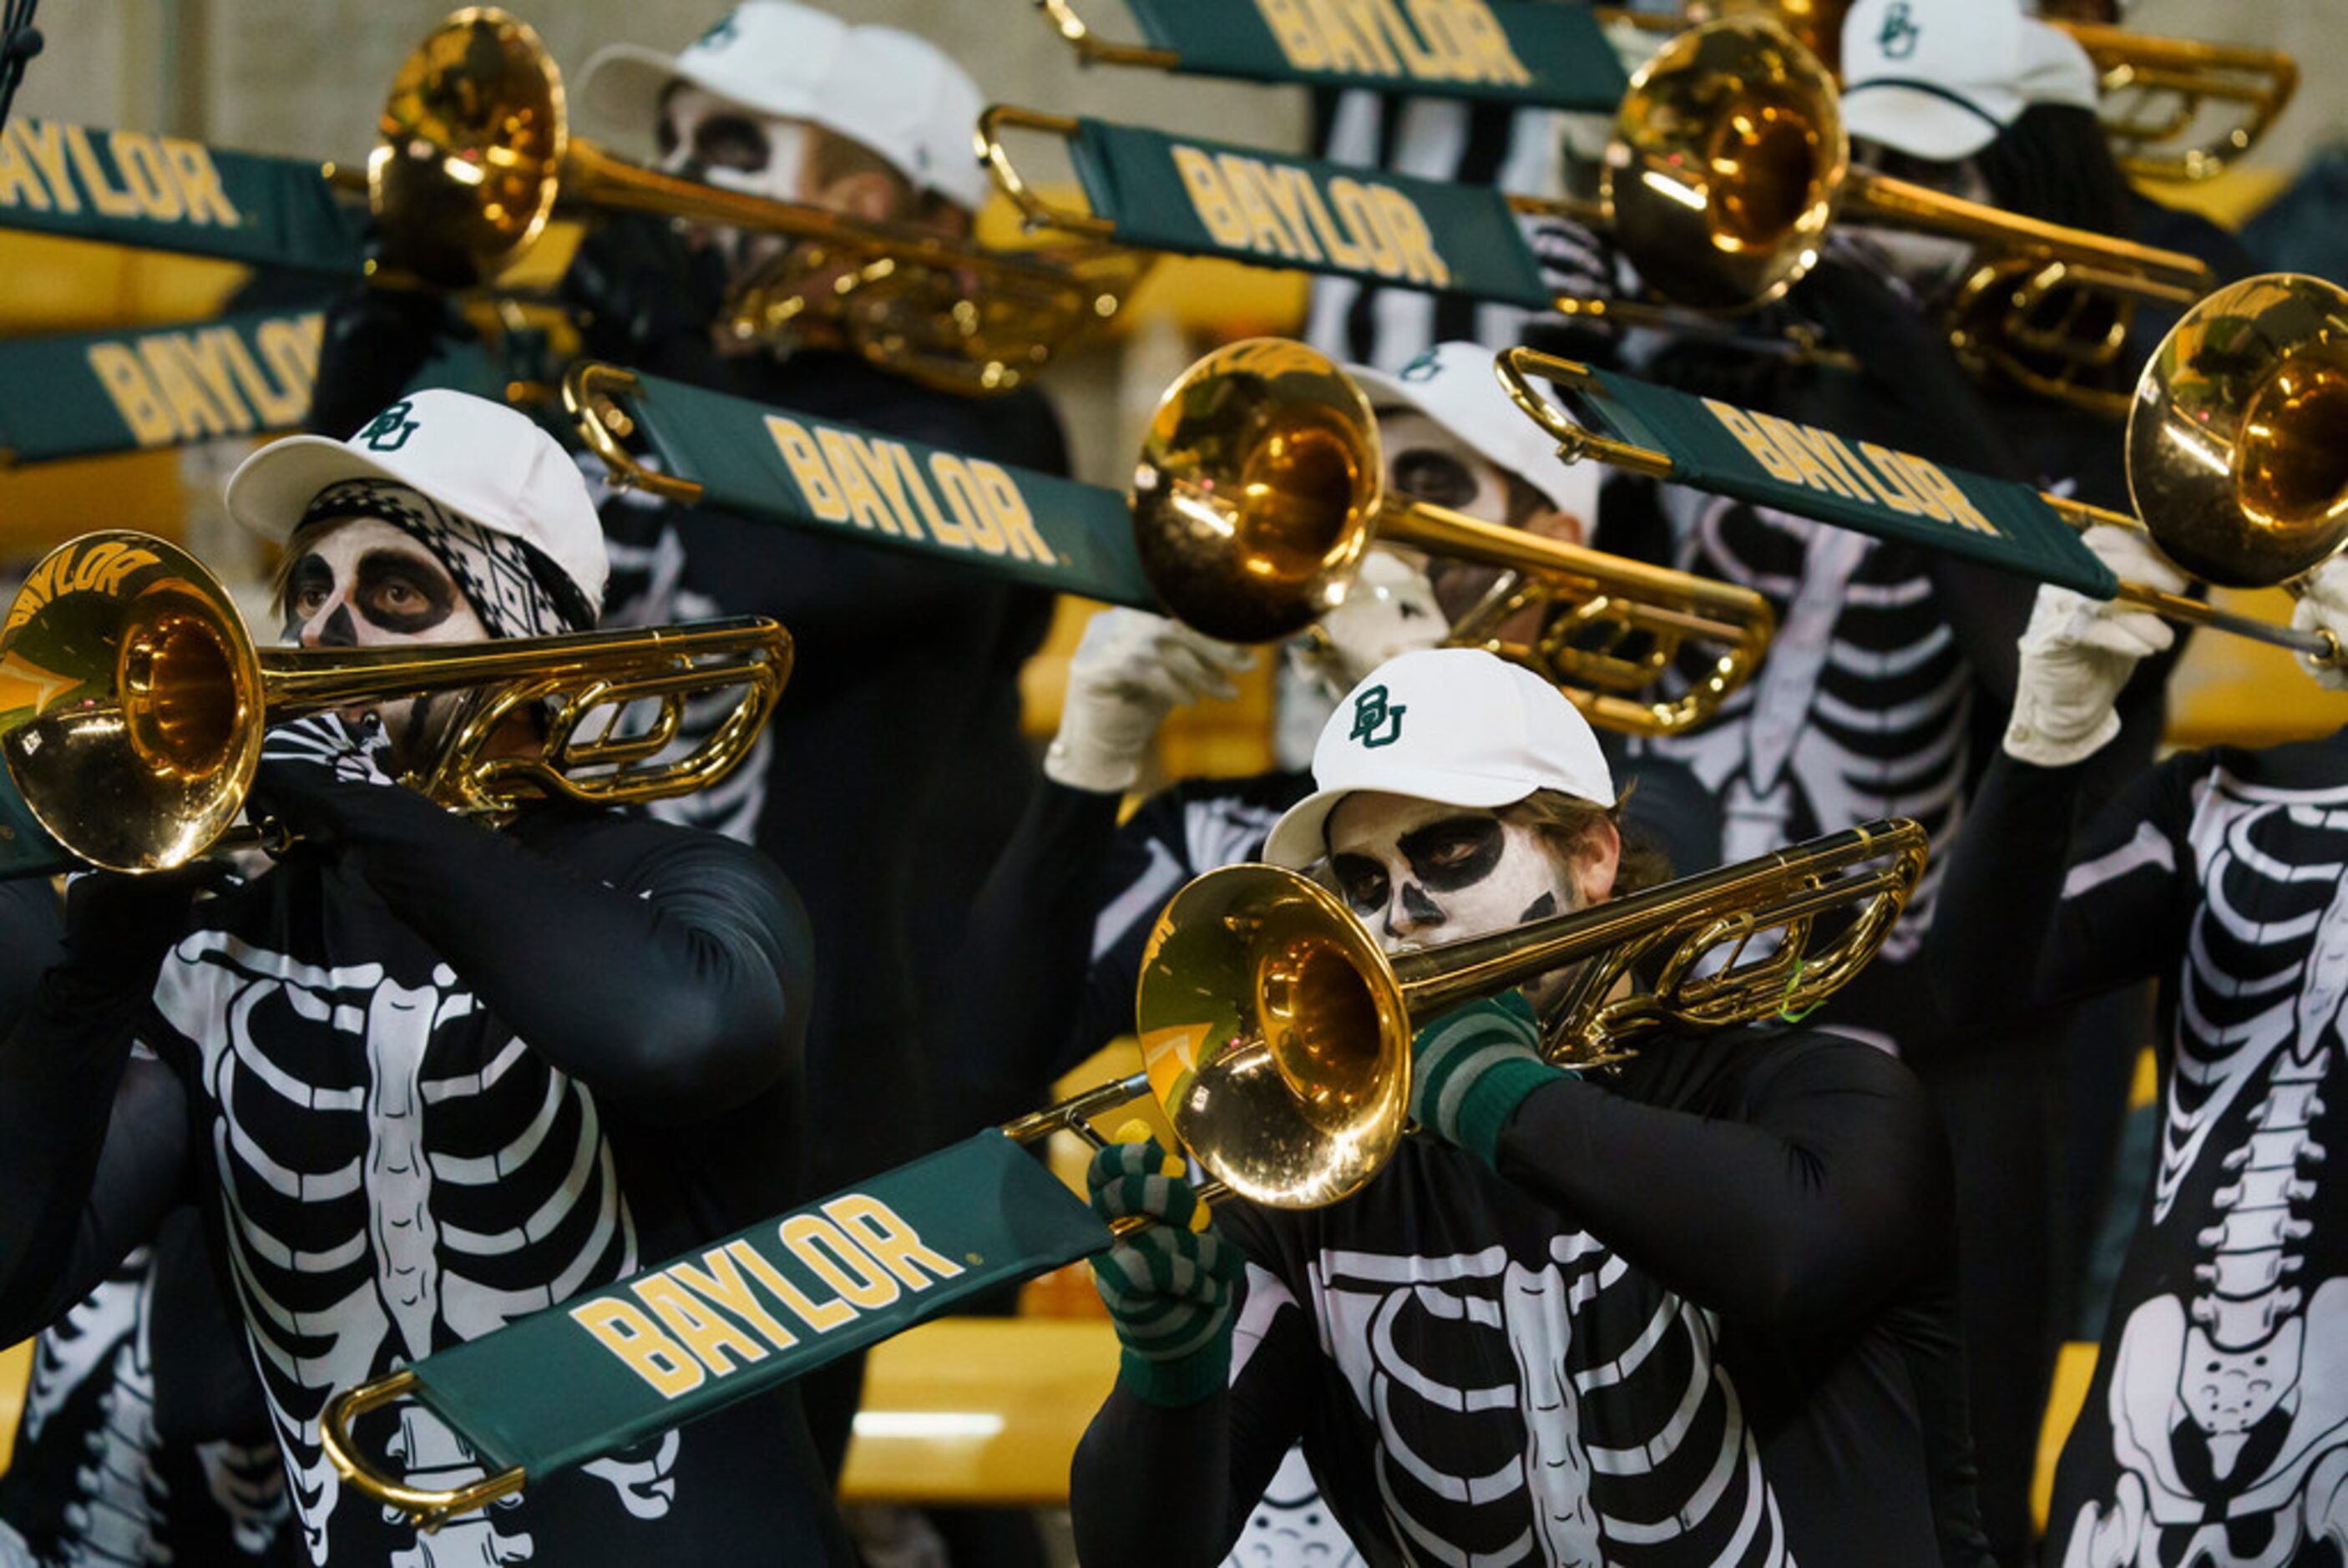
[[421, 1079], [2215, 1432], [1699, 1310], [144, 1440]]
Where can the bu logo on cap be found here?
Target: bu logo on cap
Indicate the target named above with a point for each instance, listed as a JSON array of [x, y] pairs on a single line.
[[1422, 368], [389, 431], [1371, 715], [724, 30], [1899, 35]]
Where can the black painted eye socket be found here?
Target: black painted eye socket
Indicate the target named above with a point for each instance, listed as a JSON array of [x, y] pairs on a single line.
[[1438, 478], [1361, 880], [1455, 853], [730, 141]]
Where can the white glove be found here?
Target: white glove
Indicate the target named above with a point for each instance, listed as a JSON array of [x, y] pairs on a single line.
[[1130, 670], [2078, 653], [2323, 607]]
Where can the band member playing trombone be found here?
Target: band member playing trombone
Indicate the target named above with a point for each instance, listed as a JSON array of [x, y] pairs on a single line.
[[1698, 1311], [2216, 1427], [424, 1076]]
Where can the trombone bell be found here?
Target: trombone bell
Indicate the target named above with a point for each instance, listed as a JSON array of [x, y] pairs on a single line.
[[1275, 1037], [145, 742], [2237, 438]]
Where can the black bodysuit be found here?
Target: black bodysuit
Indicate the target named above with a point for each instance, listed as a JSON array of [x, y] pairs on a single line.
[[1705, 1314], [418, 1087]]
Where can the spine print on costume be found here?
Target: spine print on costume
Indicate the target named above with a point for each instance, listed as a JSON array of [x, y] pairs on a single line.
[[91, 1401], [1601, 1356], [2229, 1396], [1863, 707], [359, 1238]]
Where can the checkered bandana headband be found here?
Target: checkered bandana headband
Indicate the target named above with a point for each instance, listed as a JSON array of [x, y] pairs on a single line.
[[513, 586]]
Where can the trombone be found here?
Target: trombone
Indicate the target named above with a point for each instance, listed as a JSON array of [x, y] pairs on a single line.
[[1277, 1039], [2237, 448], [1276, 1034], [1261, 483], [474, 154], [1728, 164], [2155, 89], [133, 702]]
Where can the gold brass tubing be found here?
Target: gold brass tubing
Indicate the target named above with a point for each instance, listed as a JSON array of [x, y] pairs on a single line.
[[1092, 49], [1037, 212], [2167, 276], [592, 391], [431, 1509], [1575, 441]]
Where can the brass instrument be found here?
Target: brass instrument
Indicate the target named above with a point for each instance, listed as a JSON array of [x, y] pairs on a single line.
[[2237, 448], [2155, 89], [1261, 483], [1276, 1033], [150, 700], [474, 153], [1727, 166]]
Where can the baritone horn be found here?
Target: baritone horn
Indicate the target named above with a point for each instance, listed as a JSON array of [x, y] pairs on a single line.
[[1261, 483], [133, 702], [474, 152], [1276, 1034]]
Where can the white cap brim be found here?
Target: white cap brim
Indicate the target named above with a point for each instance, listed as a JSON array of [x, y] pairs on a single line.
[[1923, 123], [1300, 837], [620, 91], [1515, 446], [270, 490]]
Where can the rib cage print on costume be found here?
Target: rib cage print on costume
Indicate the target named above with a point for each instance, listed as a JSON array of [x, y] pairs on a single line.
[[1863, 707], [1576, 1389], [2228, 1399], [385, 1191]]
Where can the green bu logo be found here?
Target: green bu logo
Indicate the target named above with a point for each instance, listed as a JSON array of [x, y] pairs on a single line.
[[725, 30], [1372, 716], [389, 431], [1899, 35]]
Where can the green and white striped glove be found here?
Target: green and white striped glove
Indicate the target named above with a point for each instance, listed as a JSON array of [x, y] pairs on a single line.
[[1470, 1070], [1169, 1286]]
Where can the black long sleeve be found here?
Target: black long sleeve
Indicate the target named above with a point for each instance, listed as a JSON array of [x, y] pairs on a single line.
[[93, 1145], [1015, 997], [1824, 1198], [2019, 929], [681, 994]]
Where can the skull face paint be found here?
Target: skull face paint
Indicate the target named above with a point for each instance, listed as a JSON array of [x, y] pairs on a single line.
[[1420, 872], [360, 583], [704, 139]]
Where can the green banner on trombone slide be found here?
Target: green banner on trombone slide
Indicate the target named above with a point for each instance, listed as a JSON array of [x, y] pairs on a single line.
[[1773, 462], [166, 193], [774, 464], [83, 394], [1212, 198], [618, 1364], [1510, 51]]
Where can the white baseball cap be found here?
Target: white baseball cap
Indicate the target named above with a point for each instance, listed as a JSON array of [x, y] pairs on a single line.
[[1455, 725], [477, 458], [896, 93], [1453, 385], [1941, 79]]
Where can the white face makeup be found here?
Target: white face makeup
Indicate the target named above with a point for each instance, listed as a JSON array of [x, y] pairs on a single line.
[[1419, 872], [705, 138], [360, 583], [1426, 462], [1930, 264]]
